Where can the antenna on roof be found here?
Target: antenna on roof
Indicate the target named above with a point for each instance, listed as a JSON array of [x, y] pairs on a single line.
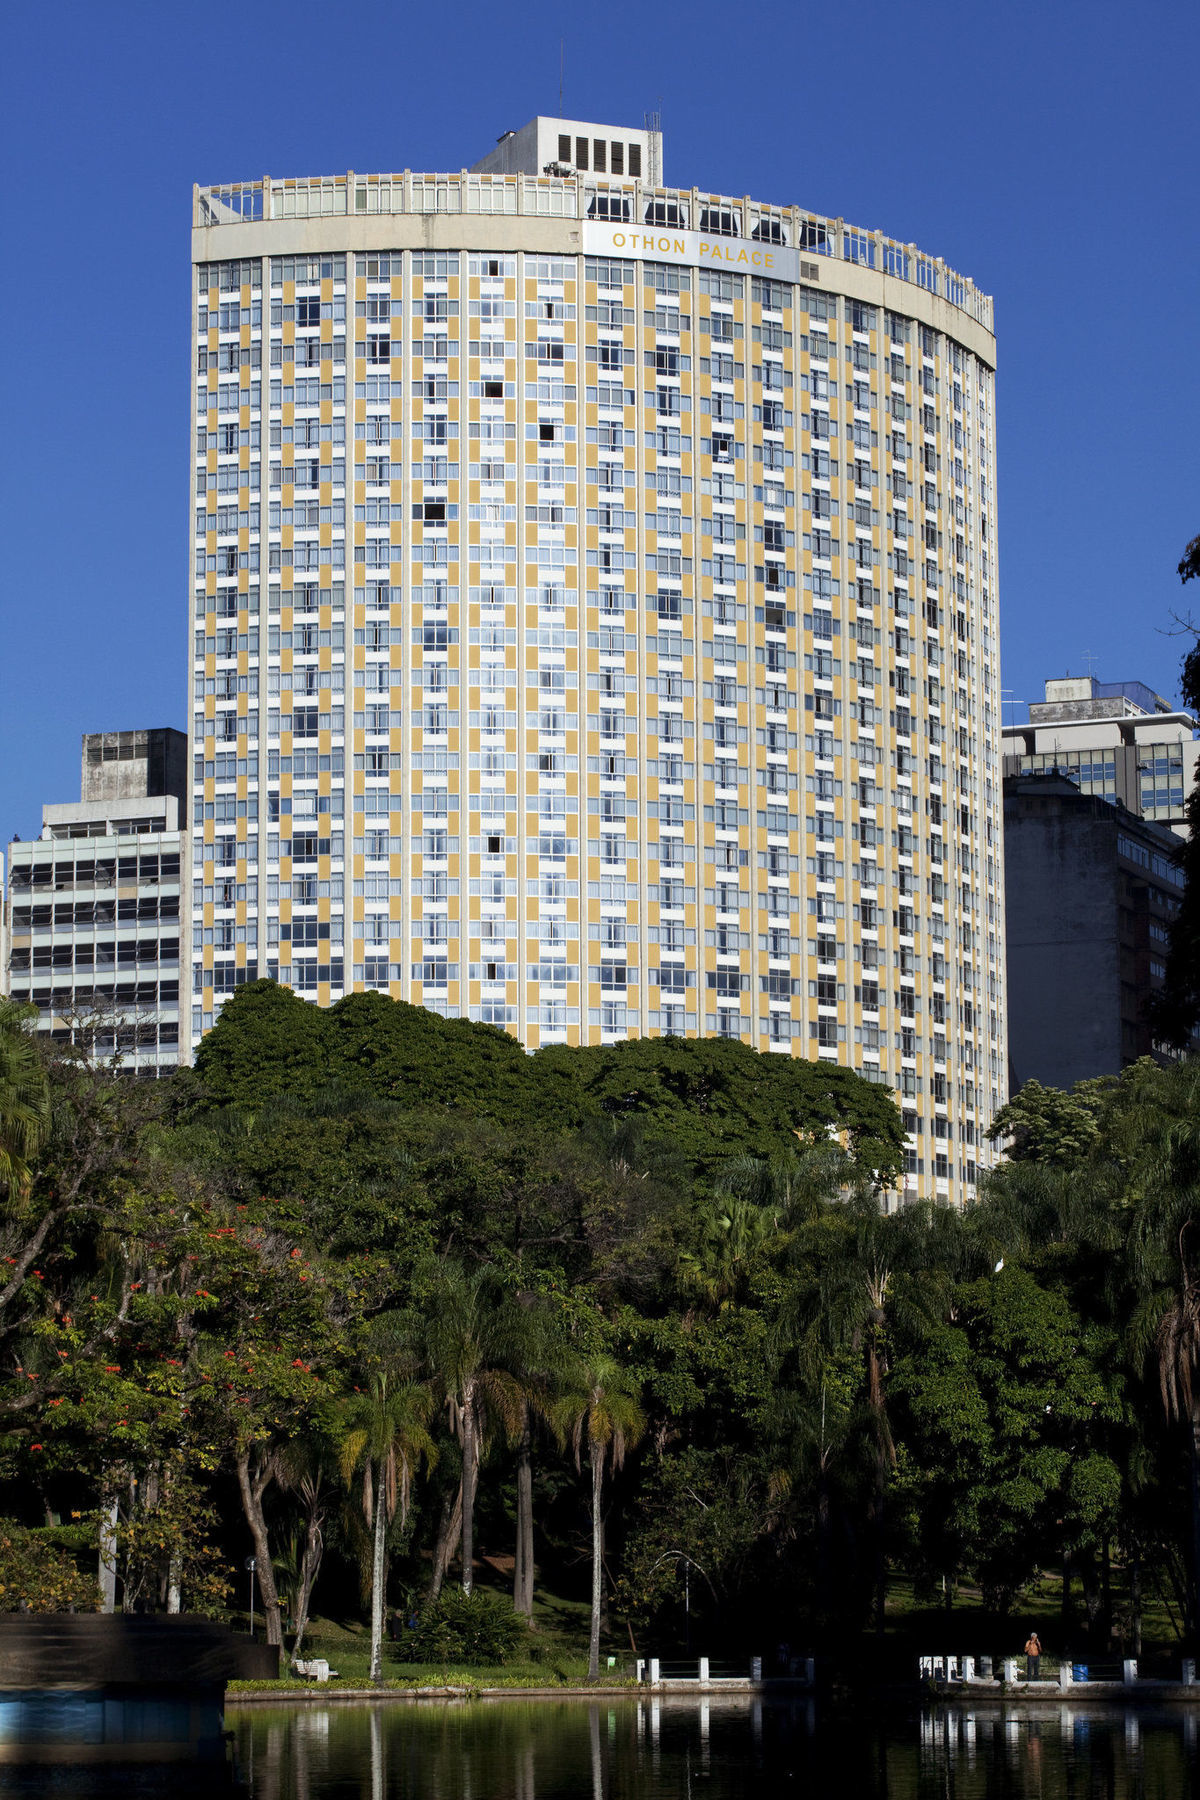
[[653, 125], [562, 57]]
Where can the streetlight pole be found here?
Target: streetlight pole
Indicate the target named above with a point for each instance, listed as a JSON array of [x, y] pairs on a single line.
[[251, 1565]]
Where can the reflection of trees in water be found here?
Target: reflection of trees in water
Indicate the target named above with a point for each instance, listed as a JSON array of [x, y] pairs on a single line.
[[622, 1747]]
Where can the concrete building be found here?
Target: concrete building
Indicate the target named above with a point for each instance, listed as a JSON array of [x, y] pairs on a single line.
[[1091, 890], [92, 912], [1116, 739], [595, 617]]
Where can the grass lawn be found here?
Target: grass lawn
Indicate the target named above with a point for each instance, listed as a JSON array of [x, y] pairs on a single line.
[[557, 1658]]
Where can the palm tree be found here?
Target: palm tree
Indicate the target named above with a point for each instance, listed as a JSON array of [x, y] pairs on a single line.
[[605, 1420], [796, 1185], [24, 1098], [733, 1233], [844, 1314], [756, 1201], [304, 1474], [477, 1334], [387, 1440], [546, 1366]]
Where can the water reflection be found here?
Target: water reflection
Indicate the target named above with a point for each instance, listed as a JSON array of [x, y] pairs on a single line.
[[672, 1749]]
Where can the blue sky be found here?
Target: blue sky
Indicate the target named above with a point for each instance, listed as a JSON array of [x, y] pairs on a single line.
[[1049, 151]]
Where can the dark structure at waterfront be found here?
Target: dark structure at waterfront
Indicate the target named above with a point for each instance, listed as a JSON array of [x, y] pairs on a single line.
[[88, 1689]]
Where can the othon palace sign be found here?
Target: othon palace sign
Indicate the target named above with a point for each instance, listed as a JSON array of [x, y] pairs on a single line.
[[665, 244]]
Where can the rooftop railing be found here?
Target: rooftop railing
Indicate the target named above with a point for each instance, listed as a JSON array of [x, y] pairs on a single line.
[[584, 197]]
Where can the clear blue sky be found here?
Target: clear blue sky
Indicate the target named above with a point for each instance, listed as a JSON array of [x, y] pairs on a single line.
[[1050, 151]]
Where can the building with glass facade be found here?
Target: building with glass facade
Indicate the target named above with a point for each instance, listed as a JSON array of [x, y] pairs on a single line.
[[594, 615], [1118, 740]]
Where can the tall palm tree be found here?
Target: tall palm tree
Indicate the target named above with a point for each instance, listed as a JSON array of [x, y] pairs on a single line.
[[24, 1098], [605, 1421], [545, 1369], [476, 1337], [385, 1440]]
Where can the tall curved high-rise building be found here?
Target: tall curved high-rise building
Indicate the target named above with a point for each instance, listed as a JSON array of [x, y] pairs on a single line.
[[595, 618]]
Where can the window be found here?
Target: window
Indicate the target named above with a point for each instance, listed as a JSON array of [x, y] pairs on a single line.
[[609, 206], [719, 220], [609, 272]]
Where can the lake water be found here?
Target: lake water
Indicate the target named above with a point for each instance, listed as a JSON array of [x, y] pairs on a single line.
[[683, 1749]]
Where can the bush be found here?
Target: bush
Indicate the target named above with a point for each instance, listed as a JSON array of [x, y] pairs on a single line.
[[37, 1576], [461, 1628]]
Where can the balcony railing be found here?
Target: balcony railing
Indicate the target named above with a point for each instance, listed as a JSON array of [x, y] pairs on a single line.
[[584, 197]]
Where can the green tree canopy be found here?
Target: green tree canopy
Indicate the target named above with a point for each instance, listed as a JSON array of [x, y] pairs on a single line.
[[715, 1098], [1046, 1125], [268, 1043]]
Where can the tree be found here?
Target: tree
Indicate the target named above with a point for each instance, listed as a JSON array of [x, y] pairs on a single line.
[[605, 1421], [475, 1336], [1003, 1412], [385, 1439], [733, 1233], [755, 1203], [24, 1098], [164, 1545], [422, 1061], [37, 1575], [713, 1098], [701, 1519], [1159, 1135], [303, 1476], [1175, 1008], [266, 1042], [545, 1362], [269, 1328], [1048, 1126], [84, 1191], [867, 1266]]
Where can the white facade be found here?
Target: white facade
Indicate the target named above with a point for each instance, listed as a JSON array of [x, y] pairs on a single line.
[[92, 911]]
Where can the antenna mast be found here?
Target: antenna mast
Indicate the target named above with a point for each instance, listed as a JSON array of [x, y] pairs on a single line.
[[653, 124]]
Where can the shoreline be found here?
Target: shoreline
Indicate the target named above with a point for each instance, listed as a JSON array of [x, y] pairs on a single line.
[[1045, 1697], [680, 1690], [1042, 1693]]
